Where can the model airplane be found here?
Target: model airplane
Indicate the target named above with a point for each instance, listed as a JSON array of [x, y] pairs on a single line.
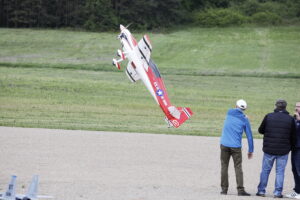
[[141, 66], [10, 193]]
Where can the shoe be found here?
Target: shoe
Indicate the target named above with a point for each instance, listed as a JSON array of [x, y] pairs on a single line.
[[223, 192], [293, 195], [278, 196], [260, 194], [243, 193]]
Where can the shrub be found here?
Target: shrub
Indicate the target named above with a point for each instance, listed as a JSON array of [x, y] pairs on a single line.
[[250, 7], [264, 18], [219, 17], [286, 8], [279, 11]]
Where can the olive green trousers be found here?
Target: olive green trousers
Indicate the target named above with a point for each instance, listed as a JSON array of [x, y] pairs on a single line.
[[236, 154]]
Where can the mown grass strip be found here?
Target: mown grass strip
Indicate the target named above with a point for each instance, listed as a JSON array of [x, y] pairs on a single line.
[[109, 68], [99, 100]]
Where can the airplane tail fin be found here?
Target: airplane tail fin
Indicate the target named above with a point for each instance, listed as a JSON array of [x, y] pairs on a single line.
[[33, 188], [11, 190], [179, 116]]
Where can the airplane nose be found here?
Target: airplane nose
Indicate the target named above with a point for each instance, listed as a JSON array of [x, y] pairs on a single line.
[[121, 27]]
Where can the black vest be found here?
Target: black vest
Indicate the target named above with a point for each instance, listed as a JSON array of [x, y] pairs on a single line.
[[297, 137], [278, 128]]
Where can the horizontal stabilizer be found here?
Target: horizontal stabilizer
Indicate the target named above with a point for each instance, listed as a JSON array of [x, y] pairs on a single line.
[[185, 114], [174, 112]]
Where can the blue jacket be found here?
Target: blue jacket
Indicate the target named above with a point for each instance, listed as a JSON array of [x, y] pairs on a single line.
[[234, 126]]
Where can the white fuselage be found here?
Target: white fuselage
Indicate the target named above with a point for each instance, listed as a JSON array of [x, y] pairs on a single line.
[[131, 51]]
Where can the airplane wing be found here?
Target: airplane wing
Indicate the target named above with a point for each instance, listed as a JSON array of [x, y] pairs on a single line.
[[145, 47], [22, 196], [131, 73], [44, 197]]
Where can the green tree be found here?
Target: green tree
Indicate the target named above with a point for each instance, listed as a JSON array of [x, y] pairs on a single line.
[[100, 15], [149, 14]]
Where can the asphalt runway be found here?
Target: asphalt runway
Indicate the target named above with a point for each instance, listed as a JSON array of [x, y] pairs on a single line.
[[93, 165]]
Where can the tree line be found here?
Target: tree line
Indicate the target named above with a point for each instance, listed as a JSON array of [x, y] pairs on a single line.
[[104, 15]]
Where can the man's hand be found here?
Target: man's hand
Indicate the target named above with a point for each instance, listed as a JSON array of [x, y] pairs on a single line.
[[250, 155]]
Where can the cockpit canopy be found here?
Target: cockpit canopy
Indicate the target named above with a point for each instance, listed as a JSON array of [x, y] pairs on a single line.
[[154, 68]]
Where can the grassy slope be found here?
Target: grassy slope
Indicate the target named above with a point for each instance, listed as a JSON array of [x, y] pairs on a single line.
[[242, 51], [89, 94]]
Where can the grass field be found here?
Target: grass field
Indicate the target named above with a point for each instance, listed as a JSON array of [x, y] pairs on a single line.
[[64, 79]]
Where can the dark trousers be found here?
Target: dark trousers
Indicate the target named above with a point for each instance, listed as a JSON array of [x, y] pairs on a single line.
[[296, 169], [236, 153]]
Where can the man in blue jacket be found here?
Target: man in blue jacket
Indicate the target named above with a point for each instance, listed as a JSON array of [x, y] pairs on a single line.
[[235, 124], [296, 155]]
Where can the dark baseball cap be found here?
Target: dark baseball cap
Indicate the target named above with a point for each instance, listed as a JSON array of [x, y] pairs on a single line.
[[281, 104]]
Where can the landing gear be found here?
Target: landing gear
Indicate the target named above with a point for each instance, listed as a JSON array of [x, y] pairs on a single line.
[[116, 63], [121, 54]]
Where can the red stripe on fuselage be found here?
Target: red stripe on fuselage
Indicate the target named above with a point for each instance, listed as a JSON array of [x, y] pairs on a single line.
[[157, 85], [133, 41]]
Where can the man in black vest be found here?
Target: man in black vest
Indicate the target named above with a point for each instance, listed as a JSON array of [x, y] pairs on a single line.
[[278, 129], [296, 155]]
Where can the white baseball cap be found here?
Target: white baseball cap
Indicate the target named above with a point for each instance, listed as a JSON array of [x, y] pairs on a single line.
[[241, 104]]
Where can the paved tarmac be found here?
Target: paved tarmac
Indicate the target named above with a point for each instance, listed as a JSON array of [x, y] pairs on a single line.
[[93, 165]]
